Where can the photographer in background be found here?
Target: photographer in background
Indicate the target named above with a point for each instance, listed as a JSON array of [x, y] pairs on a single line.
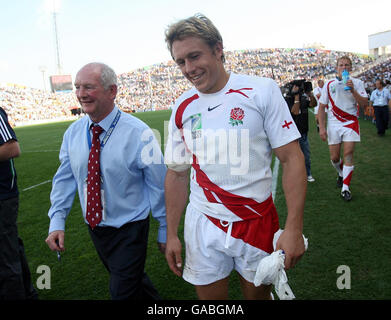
[[299, 98]]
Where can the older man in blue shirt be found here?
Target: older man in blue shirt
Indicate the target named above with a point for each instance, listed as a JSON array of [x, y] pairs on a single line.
[[132, 175]]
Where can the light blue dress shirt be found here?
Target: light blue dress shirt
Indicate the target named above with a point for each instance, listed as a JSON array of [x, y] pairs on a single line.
[[132, 170], [380, 97]]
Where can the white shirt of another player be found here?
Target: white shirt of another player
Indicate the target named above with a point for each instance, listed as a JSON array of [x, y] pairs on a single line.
[[317, 91], [335, 96]]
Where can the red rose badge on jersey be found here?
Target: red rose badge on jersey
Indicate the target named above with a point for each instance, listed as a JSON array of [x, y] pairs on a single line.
[[236, 117]]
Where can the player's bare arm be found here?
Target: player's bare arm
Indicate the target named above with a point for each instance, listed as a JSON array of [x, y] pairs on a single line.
[[322, 121], [176, 195], [362, 101], [294, 182]]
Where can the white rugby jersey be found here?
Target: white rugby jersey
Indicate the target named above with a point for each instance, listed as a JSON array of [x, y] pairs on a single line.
[[317, 90], [227, 138], [342, 107]]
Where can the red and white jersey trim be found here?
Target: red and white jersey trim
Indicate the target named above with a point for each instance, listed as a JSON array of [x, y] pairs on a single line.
[[240, 124]]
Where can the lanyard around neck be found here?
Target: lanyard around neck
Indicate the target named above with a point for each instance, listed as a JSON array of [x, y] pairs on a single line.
[[108, 133]]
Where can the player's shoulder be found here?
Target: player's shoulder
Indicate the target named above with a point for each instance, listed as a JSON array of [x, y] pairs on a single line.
[[256, 81], [327, 82], [357, 80], [255, 86], [188, 94]]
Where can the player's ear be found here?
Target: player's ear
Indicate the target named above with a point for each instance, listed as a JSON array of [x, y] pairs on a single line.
[[218, 50]]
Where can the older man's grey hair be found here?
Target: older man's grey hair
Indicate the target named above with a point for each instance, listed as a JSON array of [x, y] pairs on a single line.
[[107, 76]]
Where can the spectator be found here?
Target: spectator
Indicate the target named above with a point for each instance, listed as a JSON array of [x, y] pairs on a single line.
[[381, 101], [15, 278], [317, 94], [118, 218]]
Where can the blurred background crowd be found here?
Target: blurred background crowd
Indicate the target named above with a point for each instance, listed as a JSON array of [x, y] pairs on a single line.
[[156, 87]]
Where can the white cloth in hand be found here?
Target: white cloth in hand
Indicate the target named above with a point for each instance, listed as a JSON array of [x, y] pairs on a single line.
[[271, 270]]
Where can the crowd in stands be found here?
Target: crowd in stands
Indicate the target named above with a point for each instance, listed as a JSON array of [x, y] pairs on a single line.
[[157, 87], [27, 105], [380, 71]]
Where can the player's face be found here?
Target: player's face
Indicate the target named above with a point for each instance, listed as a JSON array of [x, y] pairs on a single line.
[[200, 64], [94, 99], [342, 65]]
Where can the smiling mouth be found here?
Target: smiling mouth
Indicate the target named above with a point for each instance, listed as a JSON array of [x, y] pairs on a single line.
[[196, 78]]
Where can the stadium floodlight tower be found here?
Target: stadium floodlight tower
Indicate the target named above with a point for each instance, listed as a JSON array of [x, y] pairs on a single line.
[[56, 6], [43, 69], [59, 82]]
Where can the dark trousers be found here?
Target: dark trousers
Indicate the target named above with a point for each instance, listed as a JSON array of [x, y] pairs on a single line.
[[15, 277], [381, 114], [123, 252], [305, 148]]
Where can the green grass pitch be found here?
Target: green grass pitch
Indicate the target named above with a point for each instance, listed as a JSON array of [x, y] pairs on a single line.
[[354, 234]]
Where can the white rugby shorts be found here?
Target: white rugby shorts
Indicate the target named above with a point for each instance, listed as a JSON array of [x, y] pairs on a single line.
[[337, 133], [212, 251]]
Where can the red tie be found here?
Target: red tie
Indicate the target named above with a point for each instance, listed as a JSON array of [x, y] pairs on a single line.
[[94, 203]]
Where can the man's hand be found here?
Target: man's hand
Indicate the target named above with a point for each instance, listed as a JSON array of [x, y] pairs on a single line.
[[162, 247], [173, 255], [292, 243], [323, 134], [53, 237]]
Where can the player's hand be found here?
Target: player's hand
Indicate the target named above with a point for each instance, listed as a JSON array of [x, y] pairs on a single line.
[[292, 243], [173, 255], [55, 240], [350, 84], [323, 134]]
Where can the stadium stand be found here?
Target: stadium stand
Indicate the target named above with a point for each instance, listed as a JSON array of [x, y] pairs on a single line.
[[156, 87]]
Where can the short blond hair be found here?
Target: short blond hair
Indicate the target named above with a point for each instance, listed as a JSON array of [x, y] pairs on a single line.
[[344, 58], [195, 26]]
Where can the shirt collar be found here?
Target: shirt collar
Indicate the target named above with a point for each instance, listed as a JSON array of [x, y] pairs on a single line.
[[106, 122]]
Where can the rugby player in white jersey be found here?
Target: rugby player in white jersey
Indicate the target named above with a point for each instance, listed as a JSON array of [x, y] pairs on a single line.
[[224, 130], [342, 123], [317, 94]]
